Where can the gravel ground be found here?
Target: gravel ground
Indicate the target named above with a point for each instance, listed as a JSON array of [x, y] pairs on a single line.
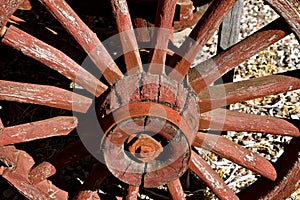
[[280, 57]]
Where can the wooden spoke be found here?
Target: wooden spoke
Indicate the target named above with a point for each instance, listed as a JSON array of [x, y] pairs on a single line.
[[7, 8], [288, 177], [204, 74], [203, 30], [41, 172], [236, 153], [85, 37], [127, 37], [164, 18], [176, 190], [87, 195], [132, 193], [210, 178], [229, 30], [229, 93], [52, 58], [290, 11], [228, 120], [26, 5], [18, 176], [56, 126], [142, 34], [43, 95]]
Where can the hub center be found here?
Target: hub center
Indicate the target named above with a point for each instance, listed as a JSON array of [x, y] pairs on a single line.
[[149, 124]]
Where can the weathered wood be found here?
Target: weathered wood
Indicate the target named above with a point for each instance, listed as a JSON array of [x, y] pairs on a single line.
[[180, 25], [229, 93], [139, 109], [287, 166], [43, 95], [228, 35], [56, 126], [8, 7], [18, 176], [138, 116], [228, 120], [128, 40], [204, 74], [16, 19], [210, 178], [55, 37], [125, 167], [185, 10], [26, 5], [41, 172], [87, 195], [236, 153], [230, 27], [52, 58], [132, 193], [154, 88], [203, 30], [290, 11], [176, 190], [85, 37], [163, 21], [141, 31]]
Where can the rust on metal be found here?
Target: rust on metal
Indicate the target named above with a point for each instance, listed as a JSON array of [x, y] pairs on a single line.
[[204, 74], [229, 120], [221, 95], [52, 58], [57, 126], [85, 37], [236, 153], [43, 95], [211, 178], [203, 30]]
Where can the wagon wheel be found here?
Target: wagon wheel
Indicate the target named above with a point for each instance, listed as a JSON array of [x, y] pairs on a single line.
[[151, 116]]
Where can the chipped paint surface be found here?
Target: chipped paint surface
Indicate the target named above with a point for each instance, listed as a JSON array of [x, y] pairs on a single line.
[[122, 6], [249, 157]]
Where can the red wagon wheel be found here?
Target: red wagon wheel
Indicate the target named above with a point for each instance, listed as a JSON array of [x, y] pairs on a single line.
[[151, 116]]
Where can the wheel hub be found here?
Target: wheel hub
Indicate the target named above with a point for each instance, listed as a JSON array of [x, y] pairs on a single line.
[[149, 124]]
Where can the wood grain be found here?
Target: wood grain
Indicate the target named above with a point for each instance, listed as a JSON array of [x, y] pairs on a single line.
[[53, 58], [43, 95], [85, 37]]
